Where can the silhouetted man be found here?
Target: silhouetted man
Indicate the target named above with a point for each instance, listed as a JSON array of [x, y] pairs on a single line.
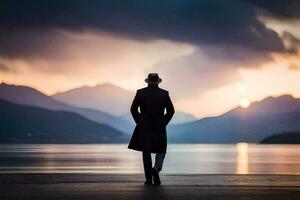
[[150, 135]]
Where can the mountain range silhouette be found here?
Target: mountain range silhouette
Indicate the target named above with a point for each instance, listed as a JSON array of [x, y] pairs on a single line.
[[261, 119]]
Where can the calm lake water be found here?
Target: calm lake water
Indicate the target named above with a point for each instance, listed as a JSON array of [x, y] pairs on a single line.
[[241, 158]]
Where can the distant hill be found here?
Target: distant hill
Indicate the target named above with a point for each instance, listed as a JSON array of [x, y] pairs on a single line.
[[29, 96], [104, 97], [26, 124], [111, 99], [182, 117], [252, 124], [283, 138]]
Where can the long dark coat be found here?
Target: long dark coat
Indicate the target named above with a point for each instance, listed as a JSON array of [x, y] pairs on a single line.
[[150, 133]]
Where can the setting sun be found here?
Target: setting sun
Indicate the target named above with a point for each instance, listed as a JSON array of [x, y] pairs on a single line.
[[244, 103]]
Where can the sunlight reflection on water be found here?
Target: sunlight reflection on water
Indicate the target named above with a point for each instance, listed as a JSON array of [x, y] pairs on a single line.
[[241, 158]]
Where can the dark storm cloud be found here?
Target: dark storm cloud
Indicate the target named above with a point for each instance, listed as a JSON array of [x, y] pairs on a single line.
[[31, 43], [213, 22], [279, 8]]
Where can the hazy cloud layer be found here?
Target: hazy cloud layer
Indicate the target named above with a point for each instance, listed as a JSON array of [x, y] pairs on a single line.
[[4, 68], [189, 75], [292, 43], [294, 67]]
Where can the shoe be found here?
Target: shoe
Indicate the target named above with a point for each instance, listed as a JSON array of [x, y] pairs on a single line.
[[148, 182], [156, 178]]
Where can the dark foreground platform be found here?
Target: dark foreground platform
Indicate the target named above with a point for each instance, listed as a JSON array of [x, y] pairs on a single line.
[[130, 186]]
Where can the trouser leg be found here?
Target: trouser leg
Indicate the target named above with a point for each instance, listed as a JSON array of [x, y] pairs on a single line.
[[159, 160], [147, 165]]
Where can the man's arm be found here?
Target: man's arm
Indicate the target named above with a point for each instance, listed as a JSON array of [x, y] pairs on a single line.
[[170, 110], [134, 109]]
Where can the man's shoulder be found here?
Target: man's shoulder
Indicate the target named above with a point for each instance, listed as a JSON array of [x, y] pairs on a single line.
[[163, 91], [145, 89], [141, 90]]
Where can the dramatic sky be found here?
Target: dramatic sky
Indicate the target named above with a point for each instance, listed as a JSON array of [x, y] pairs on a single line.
[[212, 55]]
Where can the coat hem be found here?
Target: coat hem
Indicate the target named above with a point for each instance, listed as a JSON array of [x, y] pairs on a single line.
[[141, 150]]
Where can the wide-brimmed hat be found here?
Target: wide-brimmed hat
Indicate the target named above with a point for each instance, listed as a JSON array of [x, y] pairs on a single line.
[[153, 78]]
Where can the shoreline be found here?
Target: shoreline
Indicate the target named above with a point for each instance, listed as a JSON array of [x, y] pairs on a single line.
[[130, 186]]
